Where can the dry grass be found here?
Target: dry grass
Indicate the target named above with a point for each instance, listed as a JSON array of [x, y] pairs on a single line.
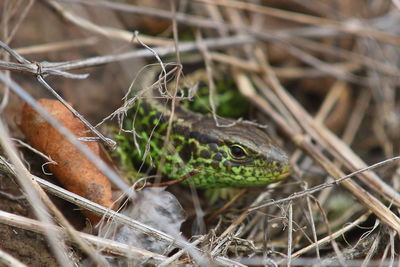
[[325, 74]]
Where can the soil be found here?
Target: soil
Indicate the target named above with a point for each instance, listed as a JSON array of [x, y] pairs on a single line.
[[23, 245]]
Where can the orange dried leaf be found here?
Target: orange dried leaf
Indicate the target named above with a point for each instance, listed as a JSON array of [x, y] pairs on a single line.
[[77, 173]]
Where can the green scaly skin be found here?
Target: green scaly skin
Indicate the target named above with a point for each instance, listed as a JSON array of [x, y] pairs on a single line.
[[239, 156]]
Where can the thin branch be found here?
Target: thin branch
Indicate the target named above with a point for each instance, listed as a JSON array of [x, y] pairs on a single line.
[[59, 68], [102, 30], [57, 46], [9, 260], [109, 142], [290, 235], [320, 187]]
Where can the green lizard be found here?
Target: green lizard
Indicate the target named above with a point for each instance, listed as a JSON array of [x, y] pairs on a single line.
[[241, 155]]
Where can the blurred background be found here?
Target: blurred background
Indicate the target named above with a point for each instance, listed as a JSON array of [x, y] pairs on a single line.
[[323, 75]]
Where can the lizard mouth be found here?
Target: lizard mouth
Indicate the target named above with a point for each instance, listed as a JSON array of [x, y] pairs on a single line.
[[285, 173]]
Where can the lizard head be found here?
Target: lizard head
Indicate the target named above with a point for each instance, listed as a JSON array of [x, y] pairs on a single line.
[[241, 155]]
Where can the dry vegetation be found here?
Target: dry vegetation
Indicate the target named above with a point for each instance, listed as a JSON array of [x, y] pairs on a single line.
[[322, 74]]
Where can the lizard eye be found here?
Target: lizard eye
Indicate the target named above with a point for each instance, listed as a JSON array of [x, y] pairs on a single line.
[[237, 151]]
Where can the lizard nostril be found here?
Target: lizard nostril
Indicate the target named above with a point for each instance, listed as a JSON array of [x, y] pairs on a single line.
[[278, 164]]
